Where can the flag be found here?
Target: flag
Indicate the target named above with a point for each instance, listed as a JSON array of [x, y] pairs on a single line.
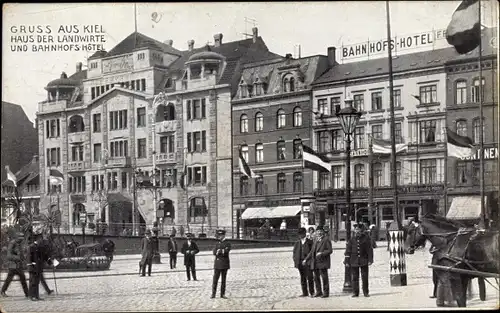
[[56, 177], [459, 146], [182, 180], [463, 31], [11, 176], [244, 168], [382, 146], [315, 161]]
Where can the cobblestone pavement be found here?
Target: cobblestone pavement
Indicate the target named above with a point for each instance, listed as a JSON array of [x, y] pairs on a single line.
[[256, 281]]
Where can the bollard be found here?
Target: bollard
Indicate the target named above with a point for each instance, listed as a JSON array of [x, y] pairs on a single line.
[[397, 256]]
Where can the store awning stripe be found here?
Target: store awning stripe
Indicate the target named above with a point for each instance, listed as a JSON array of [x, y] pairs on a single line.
[[465, 208], [276, 212]]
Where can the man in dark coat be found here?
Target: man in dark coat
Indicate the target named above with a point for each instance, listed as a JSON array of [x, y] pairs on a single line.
[[172, 251], [359, 255], [147, 253], [46, 251], [221, 263], [301, 249], [319, 258], [15, 262], [35, 266], [190, 249], [435, 258]]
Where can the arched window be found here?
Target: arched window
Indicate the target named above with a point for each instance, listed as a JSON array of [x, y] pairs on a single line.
[[476, 130], [461, 127], [259, 185], [285, 85], [377, 174], [259, 122], [244, 123], [297, 148], [292, 84], [77, 209], [76, 124], [259, 153], [281, 118], [244, 152], [359, 176], [461, 92], [165, 112], [297, 182], [475, 90], [281, 183], [244, 186], [297, 117], [197, 209], [281, 150]]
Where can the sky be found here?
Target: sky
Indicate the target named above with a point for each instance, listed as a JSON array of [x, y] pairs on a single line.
[[314, 26]]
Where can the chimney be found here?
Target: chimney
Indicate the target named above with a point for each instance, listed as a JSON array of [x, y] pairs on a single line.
[[190, 45], [169, 42], [331, 55], [288, 56], [218, 40], [255, 32], [78, 67]]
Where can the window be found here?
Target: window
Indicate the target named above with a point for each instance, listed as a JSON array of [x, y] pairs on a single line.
[[460, 92], [359, 102], [53, 156], [259, 185], [141, 56], [324, 180], [297, 148], [359, 176], [143, 84], [324, 141], [285, 85], [77, 153], [141, 117], [119, 148], [428, 131], [281, 118], [197, 209], [334, 101], [76, 184], [428, 171], [337, 177], [93, 65], [396, 98], [76, 124], [244, 123], [377, 101], [197, 141], [297, 182], [196, 109], [96, 184], [141, 148], [244, 186], [258, 88], [97, 152], [377, 174], [323, 106], [292, 84], [377, 132], [398, 173], [259, 122], [475, 90], [118, 120], [281, 183], [461, 127], [297, 117], [476, 170], [197, 175], [428, 94], [77, 209], [53, 128], [476, 130], [359, 138], [259, 153], [167, 144], [244, 152], [97, 123], [124, 180], [168, 112], [337, 140], [281, 150], [397, 133], [461, 173]]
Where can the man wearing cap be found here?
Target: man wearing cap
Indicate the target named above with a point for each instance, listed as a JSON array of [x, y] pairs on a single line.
[[15, 262], [221, 263], [147, 253], [35, 266], [301, 249], [359, 255], [190, 249], [172, 251], [319, 258]]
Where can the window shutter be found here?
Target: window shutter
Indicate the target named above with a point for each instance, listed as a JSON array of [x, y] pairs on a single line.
[[58, 128], [190, 175], [203, 141], [189, 142], [188, 109], [204, 174], [203, 108], [47, 128]]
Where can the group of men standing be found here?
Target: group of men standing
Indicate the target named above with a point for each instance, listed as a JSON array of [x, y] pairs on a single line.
[[311, 256]]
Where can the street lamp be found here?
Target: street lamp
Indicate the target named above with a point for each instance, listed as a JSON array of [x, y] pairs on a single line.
[[348, 118]]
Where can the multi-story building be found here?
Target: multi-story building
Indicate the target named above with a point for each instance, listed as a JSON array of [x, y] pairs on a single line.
[[420, 103], [463, 97], [271, 120]]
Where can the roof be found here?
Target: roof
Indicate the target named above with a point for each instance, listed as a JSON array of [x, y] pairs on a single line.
[[205, 55], [137, 40], [63, 81], [79, 76], [27, 173]]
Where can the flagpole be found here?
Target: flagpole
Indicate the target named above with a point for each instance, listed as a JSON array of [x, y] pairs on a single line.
[[370, 179], [481, 133], [445, 171]]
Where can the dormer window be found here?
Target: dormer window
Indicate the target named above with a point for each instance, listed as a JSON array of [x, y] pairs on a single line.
[[292, 84], [257, 86], [93, 65], [288, 83], [285, 85], [243, 89], [141, 56]]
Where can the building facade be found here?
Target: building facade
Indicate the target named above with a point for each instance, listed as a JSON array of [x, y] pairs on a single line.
[[420, 120], [271, 115]]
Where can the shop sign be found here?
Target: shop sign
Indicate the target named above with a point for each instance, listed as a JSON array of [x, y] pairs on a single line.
[[489, 154]]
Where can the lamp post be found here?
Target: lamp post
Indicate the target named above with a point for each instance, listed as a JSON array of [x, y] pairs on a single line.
[[348, 118], [157, 100]]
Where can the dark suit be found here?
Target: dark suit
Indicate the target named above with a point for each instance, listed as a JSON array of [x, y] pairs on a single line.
[[15, 260], [147, 255], [35, 268], [300, 252], [221, 265], [359, 255], [172, 251], [189, 252], [321, 263]]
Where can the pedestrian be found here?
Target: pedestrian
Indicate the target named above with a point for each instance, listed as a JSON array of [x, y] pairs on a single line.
[[181, 231], [147, 253], [35, 266], [46, 252], [373, 235], [301, 249], [174, 231], [387, 234], [319, 258], [435, 258], [359, 256], [190, 249], [221, 263], [15, 261], [172, 251], [283, 233], [310, 233]]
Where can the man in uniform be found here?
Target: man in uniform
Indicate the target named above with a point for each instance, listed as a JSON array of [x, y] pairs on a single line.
[[190, 249], [147, 253], [15, 261], [221, 263], [301, 249], [172, 251], [46, 252], [35, 266], [359, 255], [319, 258]]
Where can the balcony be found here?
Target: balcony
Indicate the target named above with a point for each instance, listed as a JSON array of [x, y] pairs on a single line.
[[76, 166], [119, 161], [165, 157], [76, 137], [51, 106], [166, 126]]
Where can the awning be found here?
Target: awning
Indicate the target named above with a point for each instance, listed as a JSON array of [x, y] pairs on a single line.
[[465, 208], [118, 197], [276, 212]]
